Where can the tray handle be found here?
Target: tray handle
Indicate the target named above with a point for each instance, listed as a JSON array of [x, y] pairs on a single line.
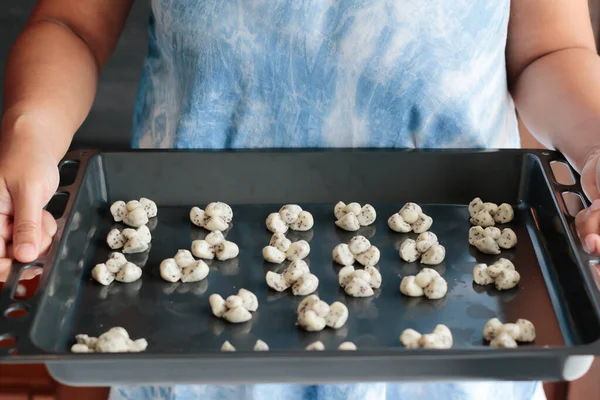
[[14, 335], [589, 264]]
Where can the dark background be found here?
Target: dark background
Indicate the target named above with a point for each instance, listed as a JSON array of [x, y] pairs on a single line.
[[109, 123]]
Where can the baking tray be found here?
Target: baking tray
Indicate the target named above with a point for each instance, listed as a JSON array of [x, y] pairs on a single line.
[[558, 289]]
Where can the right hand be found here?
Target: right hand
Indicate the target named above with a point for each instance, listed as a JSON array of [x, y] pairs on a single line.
[[28, 178]]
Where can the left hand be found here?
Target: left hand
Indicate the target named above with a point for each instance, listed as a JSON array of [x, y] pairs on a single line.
[[588, 220]]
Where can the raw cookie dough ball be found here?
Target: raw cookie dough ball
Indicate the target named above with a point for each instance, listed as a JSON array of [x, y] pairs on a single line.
[[342, 255], [410, 339], [115, 239], [507, 279], [276, 281], [226, 250], [359, 244], [217, 305], [316, 346], [249, 300], [502, 264], [136, 217], [422, 224], [408, 251], [397, 224], [261, 346], [409, 287], [492, 232], [426, 276], [507, 239], [149, 206], [305, 285], [367, 215], [170, 271], [487, 245], [368, 258], [227, 346], [410, 212], [304, 222], [118, 210], [310, 321], [434, 255], [347, 346], [475, 233], [425, 240], [337, 316], [358, 288], [481, 276], [275, 224], [101, 275], [512, 329], [219, 209], [526, 330], [273, 255], [280, 242], [503, 340], [490, 207], [505, 214], [475, 206], [129, 273], [339, 210], [198, 216], [483, 219], [194, 272], [436, 289], [492, 328], [348, 222], [298, 250]]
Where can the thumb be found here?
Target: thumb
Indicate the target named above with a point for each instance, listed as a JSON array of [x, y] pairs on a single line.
[[27, 228], [590, 179]]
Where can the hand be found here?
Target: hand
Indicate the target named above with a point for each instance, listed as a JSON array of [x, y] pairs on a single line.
[[28, 179], [588, 220]]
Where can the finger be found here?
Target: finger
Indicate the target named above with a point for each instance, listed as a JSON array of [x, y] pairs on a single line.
[[46, 243], [590, 180], [588, 227], [5, 264], [45, 246], [48, 224], [6, 227], [30, 273], [6, 204], [2, 248], [27, 222], [9, 251]]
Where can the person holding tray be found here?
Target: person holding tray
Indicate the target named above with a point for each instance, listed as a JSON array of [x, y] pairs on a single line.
[[283, 73]]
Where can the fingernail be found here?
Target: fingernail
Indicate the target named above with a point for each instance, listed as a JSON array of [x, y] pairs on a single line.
[[26, 251]]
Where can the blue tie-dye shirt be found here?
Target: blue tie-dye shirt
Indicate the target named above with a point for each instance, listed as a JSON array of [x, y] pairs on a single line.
[[327, 73]]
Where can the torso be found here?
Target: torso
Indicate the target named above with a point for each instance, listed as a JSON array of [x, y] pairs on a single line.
[[326, 73]]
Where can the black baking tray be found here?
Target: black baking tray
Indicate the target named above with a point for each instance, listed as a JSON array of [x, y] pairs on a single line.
[[558, 291]]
